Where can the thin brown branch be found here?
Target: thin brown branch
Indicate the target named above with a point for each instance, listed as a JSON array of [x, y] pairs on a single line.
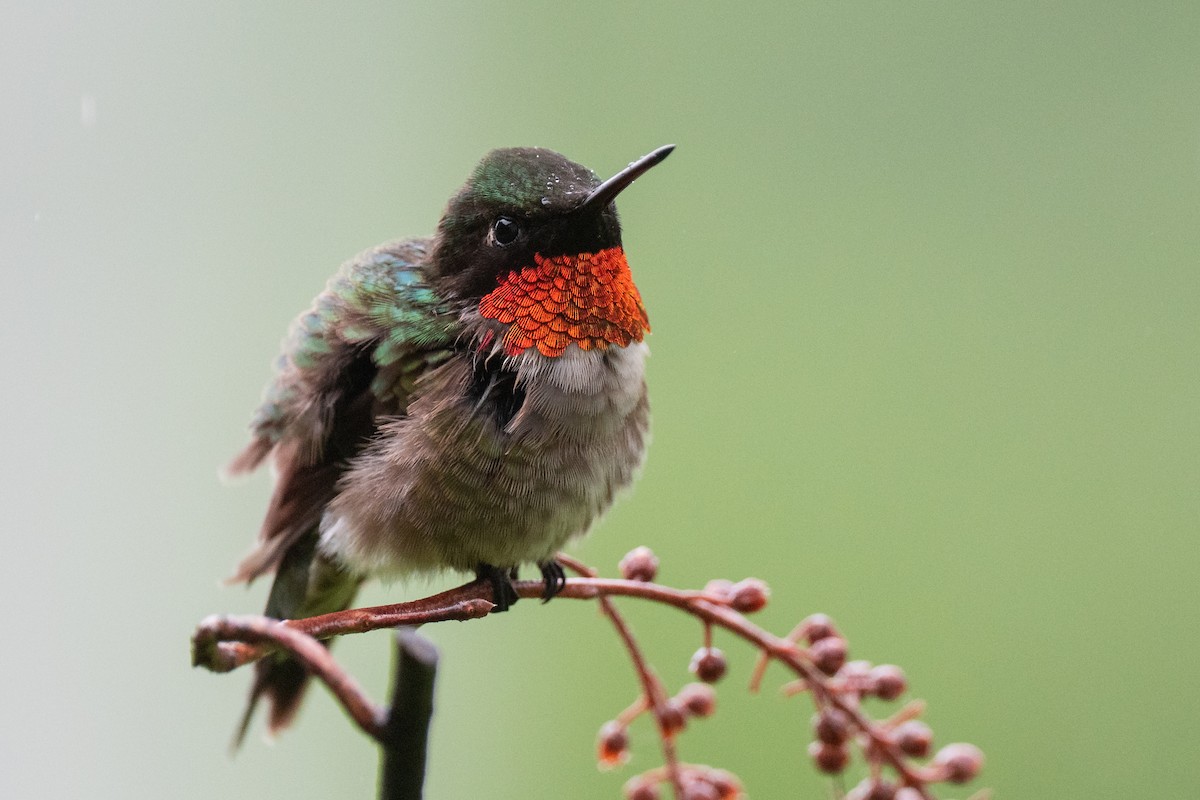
[[651, 686], [472, 600], [223, 654], [222, 644], [253, 630]]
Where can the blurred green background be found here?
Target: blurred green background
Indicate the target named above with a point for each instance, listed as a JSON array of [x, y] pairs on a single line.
[[923, 281]]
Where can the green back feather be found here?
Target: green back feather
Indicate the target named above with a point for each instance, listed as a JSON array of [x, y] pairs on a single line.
[[378, 301]]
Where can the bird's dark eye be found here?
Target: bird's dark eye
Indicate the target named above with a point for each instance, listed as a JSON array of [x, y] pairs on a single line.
[[505, 231]]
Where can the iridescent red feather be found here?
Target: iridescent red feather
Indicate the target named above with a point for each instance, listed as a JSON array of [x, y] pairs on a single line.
[[589, 299]]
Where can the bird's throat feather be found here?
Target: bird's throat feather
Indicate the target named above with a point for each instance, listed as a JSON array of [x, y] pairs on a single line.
[[587, 299]]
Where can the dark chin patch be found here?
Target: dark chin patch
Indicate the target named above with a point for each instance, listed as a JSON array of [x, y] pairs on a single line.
[[582, 234]]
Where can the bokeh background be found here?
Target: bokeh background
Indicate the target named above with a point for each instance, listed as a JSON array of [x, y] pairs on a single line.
[[923, 281]]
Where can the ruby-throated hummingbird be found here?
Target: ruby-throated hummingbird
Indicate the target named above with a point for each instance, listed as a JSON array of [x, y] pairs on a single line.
[[469, 401]]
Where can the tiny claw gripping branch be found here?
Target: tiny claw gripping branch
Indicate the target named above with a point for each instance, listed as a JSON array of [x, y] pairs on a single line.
[[896, 750], [553, 577]]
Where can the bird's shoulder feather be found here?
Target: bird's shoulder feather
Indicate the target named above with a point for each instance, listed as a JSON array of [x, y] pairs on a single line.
[[352, 358]]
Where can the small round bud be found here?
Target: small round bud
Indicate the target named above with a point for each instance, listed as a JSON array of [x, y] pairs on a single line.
[[871, 789], [699, 699], [832, 726], [828, 654], [959, 762], [612, 745], [817, 627], [674, 718], [831, 758], [888, 681], [748, 596], [718, 588], [639, 564], [708, 664], [639, 788], [700, 789], [726, 783], [914, 738]]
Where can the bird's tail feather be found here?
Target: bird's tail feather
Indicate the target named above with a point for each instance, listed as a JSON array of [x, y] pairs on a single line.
[[306, 584]]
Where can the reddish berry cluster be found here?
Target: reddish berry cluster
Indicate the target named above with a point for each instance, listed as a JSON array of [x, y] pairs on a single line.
[[699, 782], [693, 700], [745, 597], [837, 686], [840, 722]]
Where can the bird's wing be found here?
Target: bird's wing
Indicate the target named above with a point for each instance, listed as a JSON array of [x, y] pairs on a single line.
[[352, 358]]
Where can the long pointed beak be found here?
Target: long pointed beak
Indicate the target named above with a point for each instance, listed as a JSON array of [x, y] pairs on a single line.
[[603, 194]]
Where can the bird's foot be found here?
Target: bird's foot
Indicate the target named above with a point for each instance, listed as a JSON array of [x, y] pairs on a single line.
[[503, 593], [553, 577]]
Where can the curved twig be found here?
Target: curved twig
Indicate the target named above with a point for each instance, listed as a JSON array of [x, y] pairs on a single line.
[[252, 630], [655, 697], [222, 644]]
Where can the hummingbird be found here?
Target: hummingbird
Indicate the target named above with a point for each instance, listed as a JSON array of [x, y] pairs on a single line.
[[468, 401]]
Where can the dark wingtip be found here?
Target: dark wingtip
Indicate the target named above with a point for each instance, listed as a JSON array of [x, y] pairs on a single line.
[[239, 735], [282, 682]]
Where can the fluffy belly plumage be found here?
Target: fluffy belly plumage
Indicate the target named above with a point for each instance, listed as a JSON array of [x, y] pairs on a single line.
[[469, 478]]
